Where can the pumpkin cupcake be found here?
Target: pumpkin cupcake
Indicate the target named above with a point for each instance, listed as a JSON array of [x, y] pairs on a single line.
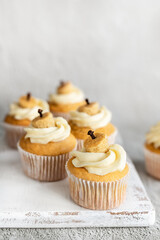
[[67, 98], [91, 116], [98, 174], [45, 148], [152, 151], [20, 115]]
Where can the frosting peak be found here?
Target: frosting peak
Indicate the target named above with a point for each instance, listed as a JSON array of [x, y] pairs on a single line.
[[51, 134], [89, 108], [153, 136], [82, 119], [27, 101], [96, 142], [101, 163], [67, 93], [45, 120], [19, 112], [65, 88]]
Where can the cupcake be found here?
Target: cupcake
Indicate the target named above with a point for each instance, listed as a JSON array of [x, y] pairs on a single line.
[[98, 174], [45, 147], [67, 98], [152, 151], [20, 115], [91, 116]]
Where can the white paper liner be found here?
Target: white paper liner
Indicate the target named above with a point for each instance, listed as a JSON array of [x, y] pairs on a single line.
[[12, 134], [152, 163], [60, 114], [43, 168], [111, 140], [80, 143], [97, 195]]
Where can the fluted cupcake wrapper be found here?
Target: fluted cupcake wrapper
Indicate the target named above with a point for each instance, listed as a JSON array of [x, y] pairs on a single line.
[[97, 195], [152, 163], [80, 143], [60, 114], [12, 134], [111, 140], [43, 168]]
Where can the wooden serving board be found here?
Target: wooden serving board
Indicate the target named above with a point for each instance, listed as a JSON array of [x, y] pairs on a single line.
[[26, 203]]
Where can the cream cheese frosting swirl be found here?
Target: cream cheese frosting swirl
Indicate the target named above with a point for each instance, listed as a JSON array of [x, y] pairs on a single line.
[[73, 97], [101, 163], [28, 113], [52, 134], [153, 136], [101, 119]]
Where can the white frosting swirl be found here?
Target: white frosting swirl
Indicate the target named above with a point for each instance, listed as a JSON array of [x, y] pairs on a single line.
[[101, 119], [153, 137], [28, 113], [73, 97], [52, 134], [101, 163]]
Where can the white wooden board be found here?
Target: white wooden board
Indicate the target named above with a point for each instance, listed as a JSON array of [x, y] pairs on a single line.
[[25, 203]]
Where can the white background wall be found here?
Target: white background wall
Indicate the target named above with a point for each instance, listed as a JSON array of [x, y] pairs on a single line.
[[109, 48]]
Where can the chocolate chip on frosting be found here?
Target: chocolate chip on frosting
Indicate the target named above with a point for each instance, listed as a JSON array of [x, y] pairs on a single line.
[[45, 120], [96, 142], [65, 87], [27, 101], [89, 108]]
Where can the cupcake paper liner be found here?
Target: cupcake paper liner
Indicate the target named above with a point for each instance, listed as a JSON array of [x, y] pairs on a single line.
[[43, 168], [80, 143], [152, 162], [12, 134], [111, 140], [97, 195], [60, 114]]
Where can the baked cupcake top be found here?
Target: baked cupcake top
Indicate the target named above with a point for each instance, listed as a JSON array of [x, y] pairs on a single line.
[[27, 107], [91, 115], [45, 129], [153, 136], [97, 157], [66, 94]]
